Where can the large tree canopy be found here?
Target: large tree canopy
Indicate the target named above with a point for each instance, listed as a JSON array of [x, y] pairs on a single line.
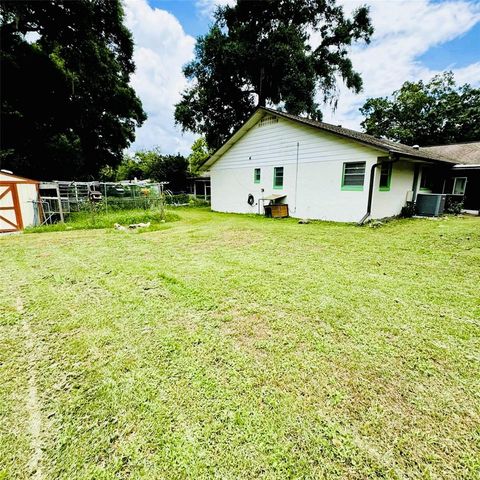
[[260, 52], [433, 113], [152, 165], [67, 106]]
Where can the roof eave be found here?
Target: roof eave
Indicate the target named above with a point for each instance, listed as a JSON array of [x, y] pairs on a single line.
[[421, 158], [467, 166], [260, 111], [22, 179]]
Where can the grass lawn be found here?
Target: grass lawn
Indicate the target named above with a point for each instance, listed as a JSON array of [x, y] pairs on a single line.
[[234, 347]]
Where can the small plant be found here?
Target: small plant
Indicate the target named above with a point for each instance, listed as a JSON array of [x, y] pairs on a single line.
[[374, 223], [408, 210], [93, 209], [453, 206], [198, 202]]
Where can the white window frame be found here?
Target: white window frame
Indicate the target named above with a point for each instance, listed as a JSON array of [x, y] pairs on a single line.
[[455, 184]]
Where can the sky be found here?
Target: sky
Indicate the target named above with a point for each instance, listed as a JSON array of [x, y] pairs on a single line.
[[413, 40]]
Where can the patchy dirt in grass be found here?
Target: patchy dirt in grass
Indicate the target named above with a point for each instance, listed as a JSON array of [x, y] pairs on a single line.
[[235, 238], [248, 332]]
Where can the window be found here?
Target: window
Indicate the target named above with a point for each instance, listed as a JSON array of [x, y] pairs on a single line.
[[459, 184], [385, 176], [278, 177], [256, 175], [426, 182], [353, 176]]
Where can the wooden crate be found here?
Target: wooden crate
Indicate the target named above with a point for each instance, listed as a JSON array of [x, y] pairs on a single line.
[[279, 210]]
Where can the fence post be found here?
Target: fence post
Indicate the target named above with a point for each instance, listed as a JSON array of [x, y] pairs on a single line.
[[59, 199], [106, 198]]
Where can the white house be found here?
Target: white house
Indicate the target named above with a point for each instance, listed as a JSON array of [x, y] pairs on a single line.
[[17, 202], [321, 171]]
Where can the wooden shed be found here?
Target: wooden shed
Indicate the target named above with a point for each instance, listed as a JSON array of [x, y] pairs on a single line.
[[18, 202]]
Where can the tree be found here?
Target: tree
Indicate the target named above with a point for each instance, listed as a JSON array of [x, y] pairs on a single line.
[[153, 165], [260, 52], [67, 106], [198, 155], [165, 168], [433, 113], [131, 167]]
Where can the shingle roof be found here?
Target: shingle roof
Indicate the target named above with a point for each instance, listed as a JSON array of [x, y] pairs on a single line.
[[436, 154], [464, 153], [423, 153]]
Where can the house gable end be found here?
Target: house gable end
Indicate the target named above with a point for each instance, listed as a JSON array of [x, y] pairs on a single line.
[[274, 140]]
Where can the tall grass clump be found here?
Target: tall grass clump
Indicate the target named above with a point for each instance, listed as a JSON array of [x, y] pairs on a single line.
[[96, 218]]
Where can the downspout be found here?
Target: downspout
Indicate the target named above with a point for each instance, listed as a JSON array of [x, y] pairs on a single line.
[[416, 173], [296, 178], [370, 187]]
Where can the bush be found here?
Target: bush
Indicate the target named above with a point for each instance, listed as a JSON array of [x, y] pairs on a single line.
[[198, 202], [186, 199], [129, 203], [179, 199], [453, 206], [409, 210]]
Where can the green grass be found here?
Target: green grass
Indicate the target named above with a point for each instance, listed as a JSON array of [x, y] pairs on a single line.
[[237, 347], [101, 219]]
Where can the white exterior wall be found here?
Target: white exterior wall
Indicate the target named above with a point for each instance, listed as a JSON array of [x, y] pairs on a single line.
[[389, 203], [318, 193]]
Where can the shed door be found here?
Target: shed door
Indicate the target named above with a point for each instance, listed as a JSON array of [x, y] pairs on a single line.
[[10, 213]]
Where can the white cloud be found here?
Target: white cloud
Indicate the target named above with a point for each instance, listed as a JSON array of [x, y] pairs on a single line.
[[207, 7], [469, 74], [161, 49], [404, 30]]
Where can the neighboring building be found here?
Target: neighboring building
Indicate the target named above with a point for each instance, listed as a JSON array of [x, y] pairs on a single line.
[[464, 178], [321, 171], [18, 197], [199, 186]]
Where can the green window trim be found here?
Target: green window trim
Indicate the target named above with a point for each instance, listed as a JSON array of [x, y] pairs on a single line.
[[385, 172], [257, 175], [278, 178], [352, 166], [352, 188]]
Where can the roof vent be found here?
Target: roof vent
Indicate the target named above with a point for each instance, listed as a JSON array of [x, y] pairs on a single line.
[[267, 120], [416, 147]]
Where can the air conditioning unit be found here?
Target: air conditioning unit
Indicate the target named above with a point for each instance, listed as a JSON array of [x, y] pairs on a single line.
[[430, 204]]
